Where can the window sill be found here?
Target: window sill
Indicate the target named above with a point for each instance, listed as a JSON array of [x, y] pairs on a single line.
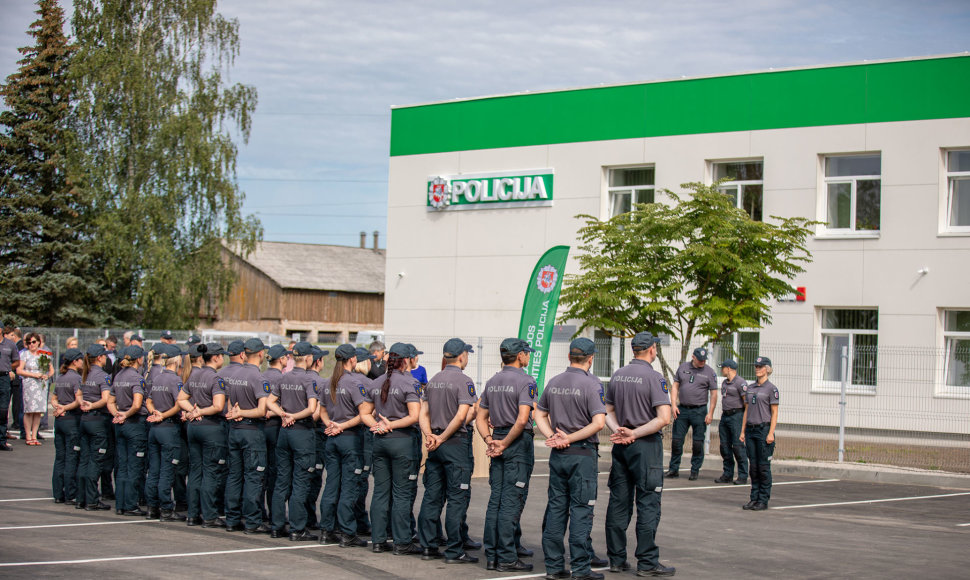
[[834, 388], [953, 234], [847, 235], [948, 392]]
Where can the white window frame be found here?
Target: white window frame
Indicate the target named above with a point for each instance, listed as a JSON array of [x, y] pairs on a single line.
[[948, 178], [632, 189], [739, 201], [943, 389], [736, 347], [820, 384], [824, 230]]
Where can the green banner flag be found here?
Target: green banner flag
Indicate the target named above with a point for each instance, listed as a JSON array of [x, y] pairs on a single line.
[[539, 309]]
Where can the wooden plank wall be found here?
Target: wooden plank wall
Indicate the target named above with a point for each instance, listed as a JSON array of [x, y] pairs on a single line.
[[253, 297], [336, 307]]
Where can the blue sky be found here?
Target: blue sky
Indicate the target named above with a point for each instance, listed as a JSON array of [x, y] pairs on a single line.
[[315, 168]]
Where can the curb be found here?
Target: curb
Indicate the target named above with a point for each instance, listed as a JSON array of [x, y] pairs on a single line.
[[870, 473]]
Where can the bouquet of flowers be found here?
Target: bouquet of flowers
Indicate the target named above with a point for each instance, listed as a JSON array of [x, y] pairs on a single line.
[[44, 361]]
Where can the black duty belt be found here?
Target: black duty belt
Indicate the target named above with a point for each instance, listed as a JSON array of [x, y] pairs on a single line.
[[757, 424], [584, 448], [274, 420], [402, 432], [729, 412], [305, 423], [212, 420], [456, 437], [171, 420], [693, 406]]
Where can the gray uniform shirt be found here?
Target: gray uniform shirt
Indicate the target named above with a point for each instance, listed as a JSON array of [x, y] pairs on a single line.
[[8, 355], [445, 392], [635, 392], [202, 385], [125, 385], [732, 393], [695, 383], [349, 394], [295, 389], [504, 393], [245, 385], [97, 382], [65, 386], [152, 373], [760, 399], [230, 371], [572, 399], [165, 390], [402, 390]]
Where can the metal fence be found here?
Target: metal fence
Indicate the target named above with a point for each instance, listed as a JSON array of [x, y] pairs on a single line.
[[904, 415], [902, 406]]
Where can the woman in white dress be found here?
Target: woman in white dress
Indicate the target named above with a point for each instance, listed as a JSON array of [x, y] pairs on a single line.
[[35, 385]]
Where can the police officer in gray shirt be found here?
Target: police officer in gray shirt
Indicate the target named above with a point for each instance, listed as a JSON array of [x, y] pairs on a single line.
[[294, 398], [125, 403], [637, 409], [758, 432], [733, 391], [694, 383], [448, 397], [570, 413], [506, 403], [247, 391], [9, 361]]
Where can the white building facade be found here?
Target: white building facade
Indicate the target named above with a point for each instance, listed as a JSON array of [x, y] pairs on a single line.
[[878, 152]]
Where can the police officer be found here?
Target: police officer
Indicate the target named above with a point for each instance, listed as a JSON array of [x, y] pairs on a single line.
[[247, 390], [364, 361], [396, 411], [637, 408], [92, 397], [320, 421], [345, 453], [506, 404], [164, 441], [293, 397], [448, 397], [235, 352], [125, 403], [203, 398], [9, 361], [570, 413], [758, 432], [67, 413], [733, 390], [276, 356], [694, 381]]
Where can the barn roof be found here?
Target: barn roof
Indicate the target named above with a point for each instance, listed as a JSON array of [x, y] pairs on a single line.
[[319, 267]]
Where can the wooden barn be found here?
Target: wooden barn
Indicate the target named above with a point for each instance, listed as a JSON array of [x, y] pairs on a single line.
[[324, 293]]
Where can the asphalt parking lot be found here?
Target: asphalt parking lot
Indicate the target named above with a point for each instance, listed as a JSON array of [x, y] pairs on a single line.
[[816, 528]]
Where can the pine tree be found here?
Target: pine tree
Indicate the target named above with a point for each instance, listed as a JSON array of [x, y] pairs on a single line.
[[46, 278]]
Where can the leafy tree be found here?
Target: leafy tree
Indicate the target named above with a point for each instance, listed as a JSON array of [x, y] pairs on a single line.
[[697, 268], [44, 277], [155, 119]]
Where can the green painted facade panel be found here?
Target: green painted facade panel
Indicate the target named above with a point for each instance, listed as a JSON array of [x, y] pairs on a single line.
[[935, 88]]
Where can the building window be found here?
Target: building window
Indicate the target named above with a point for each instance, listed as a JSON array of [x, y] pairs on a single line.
[[745, 184], [958, 190], [858, 330], [628, 187], [852, 187], [956, 340], [743, 347]]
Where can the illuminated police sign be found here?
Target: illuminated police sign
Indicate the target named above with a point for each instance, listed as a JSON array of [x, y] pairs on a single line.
[[505, 189]]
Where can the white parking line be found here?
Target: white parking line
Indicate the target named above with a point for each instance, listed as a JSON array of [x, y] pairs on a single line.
[[748, 485], [915, 497], [529, 575], [28, 499], [158, 556], [79, 524], [962, 525]]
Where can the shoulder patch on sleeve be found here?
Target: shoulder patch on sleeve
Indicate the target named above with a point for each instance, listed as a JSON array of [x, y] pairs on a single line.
[[316, 390], [363, 391], [220, 384], [775, 393], [107, 380], [471, 389], [142, 383], [602, 394], [266, 387], [663, 385], [533, 390], [181, 386]]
